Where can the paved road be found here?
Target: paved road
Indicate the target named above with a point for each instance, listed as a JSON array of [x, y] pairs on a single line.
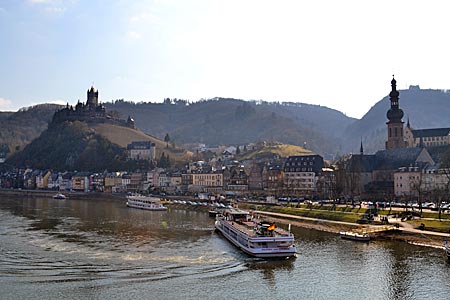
[[404, 226]]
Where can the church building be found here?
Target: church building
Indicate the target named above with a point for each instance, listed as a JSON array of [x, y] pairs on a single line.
[[372, 175], [399, 137], [395, 124], [431, 137]]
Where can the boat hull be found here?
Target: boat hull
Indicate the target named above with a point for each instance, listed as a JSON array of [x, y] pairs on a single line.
[[149, 207], [145, 202], [355, 236], [247, 244]]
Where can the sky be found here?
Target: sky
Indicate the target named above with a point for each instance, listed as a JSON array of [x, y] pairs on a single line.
[[339, 54]]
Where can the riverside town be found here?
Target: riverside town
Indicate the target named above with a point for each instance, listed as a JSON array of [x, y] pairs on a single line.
[[106, 180], [401, 180], [221, 150]]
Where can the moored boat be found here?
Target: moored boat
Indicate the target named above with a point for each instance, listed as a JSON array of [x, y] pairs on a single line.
[[355, 236], [59, 196], [213, 213], [258, 239], [145, 202]]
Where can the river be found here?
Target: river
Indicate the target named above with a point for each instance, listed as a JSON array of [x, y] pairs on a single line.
[[100, 249]]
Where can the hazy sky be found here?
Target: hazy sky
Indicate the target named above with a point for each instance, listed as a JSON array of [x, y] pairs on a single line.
[[339, 54]]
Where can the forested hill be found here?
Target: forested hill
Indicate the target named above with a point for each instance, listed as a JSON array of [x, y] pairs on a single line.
[[71, 146], [222, 121], [424, 109], [234, 122], [17, 129]]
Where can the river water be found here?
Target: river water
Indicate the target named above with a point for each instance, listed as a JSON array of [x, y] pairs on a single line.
[[96, 249]]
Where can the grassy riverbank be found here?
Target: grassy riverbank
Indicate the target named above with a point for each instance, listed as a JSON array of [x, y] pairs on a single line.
[[320, 215], [352, 215], [342, 216]]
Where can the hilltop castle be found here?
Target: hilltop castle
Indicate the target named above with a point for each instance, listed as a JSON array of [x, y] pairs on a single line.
[[91, 112]]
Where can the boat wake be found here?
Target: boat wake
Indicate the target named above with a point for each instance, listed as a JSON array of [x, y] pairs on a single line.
[[68, 254]]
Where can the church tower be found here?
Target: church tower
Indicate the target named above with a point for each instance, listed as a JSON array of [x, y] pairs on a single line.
[[395, 124], [92, 98]]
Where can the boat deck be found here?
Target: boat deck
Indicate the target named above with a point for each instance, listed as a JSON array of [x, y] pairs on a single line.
[[248, 228]]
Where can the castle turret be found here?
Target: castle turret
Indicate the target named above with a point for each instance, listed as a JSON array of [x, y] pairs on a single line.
[[92, 98], [395, 124]]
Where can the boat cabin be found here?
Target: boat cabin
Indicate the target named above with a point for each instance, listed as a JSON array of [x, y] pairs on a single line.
[[265, 229], [238, 216]]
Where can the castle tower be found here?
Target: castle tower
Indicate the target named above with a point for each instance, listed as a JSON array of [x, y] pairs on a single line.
[[92, 98], [395, 124]]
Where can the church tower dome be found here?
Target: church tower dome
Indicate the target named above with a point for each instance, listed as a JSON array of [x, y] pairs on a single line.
[[395, 114], [395, 123]]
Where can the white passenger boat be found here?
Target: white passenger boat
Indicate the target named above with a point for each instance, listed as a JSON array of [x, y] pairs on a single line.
[[144, 202], [356, 236], [259, 239], [59, 196]]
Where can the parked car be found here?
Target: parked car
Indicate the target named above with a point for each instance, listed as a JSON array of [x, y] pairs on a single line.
[[446, 206]]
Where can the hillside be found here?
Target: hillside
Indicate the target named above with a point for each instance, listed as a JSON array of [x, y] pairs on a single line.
[[71, 146], [123, 136], [281, 150], [20, 128], [231, 122], [235, 122], [423, 108], [86, 147]]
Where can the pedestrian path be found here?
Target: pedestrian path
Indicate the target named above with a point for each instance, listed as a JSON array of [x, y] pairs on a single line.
[[403, 226]]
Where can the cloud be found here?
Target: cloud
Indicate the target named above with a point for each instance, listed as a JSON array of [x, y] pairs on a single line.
[[134, 35], [5, 104], [145, 17], [54, 7], [57, 101], [140, 24], [41, 1]]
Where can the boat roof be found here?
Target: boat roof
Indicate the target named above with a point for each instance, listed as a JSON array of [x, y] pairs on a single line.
[[237, 212]]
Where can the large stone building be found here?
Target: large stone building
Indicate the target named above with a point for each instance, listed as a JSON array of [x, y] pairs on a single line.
[[300, 173], [407, 182], [141, 150], [426, 137]]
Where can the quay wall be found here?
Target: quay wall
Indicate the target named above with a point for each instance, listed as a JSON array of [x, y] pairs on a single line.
[[14, 193]]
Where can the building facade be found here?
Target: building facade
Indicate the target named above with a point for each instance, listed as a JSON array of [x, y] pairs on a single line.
[[141, 150], [407, 182], [427, 137], [300, 173]]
